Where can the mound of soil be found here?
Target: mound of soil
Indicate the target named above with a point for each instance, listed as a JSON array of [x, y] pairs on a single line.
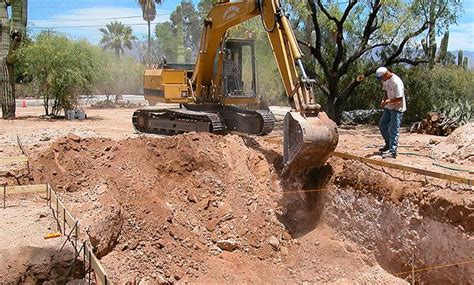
[[458, 147], [187, 197], [206, 208]]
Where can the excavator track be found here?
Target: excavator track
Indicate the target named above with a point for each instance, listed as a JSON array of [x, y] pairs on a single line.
[[253, 122], [176, 121], [203, 118]]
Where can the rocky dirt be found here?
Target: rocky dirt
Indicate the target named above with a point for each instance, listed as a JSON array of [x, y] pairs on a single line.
[[458, 147], [201, 207], [25, 256]]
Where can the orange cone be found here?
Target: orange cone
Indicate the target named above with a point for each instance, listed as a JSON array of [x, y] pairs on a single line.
[[23, 104]]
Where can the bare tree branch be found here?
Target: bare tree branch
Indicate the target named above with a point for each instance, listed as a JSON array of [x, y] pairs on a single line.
[[316, 52], [329, 16], [340, 34], [370, 27]]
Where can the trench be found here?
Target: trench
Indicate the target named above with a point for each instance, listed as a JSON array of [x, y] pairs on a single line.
[[32, 265], [400, 234]]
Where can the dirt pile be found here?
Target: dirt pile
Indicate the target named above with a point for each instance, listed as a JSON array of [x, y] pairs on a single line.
[[458, 147], [183, 199], [206, 208]]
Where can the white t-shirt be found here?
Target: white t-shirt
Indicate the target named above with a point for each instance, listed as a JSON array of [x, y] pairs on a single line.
[[395, 89]]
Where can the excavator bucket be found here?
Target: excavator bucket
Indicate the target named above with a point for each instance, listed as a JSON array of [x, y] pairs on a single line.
[[307, 141]]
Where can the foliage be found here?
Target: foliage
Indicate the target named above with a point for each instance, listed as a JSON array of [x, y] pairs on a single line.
[[380, 33], [180, 36], [119, 76], [59, 69], [116, 36], [149, 8], [449, 90]]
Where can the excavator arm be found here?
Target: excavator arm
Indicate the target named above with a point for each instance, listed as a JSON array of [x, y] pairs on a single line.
[[309, 135]]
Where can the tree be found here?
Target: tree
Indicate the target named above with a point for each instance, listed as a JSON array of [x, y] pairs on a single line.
[[116, 36], [149, 14], [180, 36], [60, 69], [381, 32], [118, 76]]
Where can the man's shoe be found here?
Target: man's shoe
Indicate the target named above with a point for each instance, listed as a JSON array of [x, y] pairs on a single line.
[[389, 154], [383, 149]]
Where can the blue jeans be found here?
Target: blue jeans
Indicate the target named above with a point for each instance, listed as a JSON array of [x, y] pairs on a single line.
[[390, 128]]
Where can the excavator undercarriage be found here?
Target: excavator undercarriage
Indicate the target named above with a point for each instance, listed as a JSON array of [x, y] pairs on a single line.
[[203, 118]]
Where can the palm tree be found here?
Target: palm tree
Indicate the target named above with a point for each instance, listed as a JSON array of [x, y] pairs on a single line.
[[149, 14], [116, 36]]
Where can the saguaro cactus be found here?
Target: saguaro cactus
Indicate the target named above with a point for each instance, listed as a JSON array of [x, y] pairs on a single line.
[[12, 32], [460, 57], [443, 51]]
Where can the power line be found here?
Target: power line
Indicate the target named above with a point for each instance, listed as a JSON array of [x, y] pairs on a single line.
[[84, 26], [94, 19]]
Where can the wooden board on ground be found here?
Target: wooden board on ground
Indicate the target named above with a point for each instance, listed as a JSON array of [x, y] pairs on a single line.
[[7, 160], [412, 169], [25, 189]]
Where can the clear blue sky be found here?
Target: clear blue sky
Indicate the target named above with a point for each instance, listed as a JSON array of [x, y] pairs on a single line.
[[64, 13]]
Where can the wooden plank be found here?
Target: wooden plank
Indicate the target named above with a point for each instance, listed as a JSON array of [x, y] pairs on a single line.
[[24, 189], [98, 268], [7, 160], [384, 163], [70, 219]]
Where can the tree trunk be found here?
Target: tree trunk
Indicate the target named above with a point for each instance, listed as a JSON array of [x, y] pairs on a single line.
[[333, 109], [117, 52]]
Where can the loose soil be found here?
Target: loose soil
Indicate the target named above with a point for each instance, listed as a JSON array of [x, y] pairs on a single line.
[[206, 208]]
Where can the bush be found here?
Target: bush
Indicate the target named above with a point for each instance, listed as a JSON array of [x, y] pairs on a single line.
[[59, 69], [443, 89]]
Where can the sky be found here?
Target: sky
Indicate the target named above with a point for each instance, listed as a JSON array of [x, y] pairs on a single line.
[[80, 18]]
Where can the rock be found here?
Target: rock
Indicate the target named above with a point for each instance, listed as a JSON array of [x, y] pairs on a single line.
[[107, 148], [105, 226], [54, 173], [274, 242], [284, 250], [74, 137], [161, 280], [227, 245], [286, 236], [44, 139], [42, 216], [102, 189], [192, 197], [133, 244]]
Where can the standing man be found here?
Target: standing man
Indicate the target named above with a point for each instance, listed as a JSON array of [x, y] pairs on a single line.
[[393, 104]]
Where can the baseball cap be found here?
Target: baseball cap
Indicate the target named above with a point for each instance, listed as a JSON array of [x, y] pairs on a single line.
[[380, 72]]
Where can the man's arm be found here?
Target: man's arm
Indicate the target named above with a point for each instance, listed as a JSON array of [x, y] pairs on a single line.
[[385, 97], [398, 100]]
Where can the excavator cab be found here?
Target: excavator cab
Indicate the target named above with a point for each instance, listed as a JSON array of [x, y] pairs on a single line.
[[238, 69]]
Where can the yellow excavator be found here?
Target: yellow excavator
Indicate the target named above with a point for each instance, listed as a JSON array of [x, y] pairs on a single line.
[[214, 94]]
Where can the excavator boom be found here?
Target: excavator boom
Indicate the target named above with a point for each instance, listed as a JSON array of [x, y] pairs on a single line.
[[215, 86]]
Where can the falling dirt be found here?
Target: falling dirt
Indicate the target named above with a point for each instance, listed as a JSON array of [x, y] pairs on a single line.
[[202, 208]]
